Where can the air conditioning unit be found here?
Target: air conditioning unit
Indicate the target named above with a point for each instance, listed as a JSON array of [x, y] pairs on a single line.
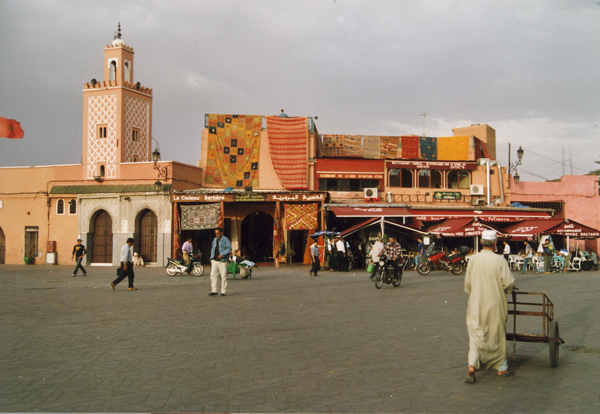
[[477, 189], [371, 192]]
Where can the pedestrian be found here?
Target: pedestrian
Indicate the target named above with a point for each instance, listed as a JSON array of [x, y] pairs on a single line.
[[506, 251], [375, 252], [340, 255], [78, 253], [548, 250], [314, 257], [528, 259], [188, 252], [126, 268], [332, 253], [487, 281], [219, 256], [420, 252]]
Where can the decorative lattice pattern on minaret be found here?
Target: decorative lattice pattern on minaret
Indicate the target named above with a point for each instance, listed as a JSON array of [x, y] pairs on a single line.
[[137, 115], [102, 110]]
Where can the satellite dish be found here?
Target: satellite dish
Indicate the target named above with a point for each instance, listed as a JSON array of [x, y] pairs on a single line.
[[94, 82]]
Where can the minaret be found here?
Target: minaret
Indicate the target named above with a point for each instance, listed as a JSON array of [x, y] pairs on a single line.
[[117, 116]]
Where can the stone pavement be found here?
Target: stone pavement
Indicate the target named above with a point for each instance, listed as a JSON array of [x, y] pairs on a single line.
[[280, 342]]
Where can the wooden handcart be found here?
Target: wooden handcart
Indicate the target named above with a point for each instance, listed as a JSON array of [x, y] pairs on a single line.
[[549, 325]]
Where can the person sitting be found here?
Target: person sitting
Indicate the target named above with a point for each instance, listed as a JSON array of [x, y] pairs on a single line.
[[594, 259], [138, 261], [245, 264]]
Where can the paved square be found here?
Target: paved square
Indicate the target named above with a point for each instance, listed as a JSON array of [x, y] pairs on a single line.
[[280, 342]]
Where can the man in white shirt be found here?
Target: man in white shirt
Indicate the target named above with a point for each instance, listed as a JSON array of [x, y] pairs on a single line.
[[126, 268], [341, 255], [375, 252], [506, 251], [188, 251]]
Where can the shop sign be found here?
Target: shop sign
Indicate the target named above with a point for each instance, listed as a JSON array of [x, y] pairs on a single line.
[[447, 195], [351, 176], [434, 165], [297, 197], [249, 197]]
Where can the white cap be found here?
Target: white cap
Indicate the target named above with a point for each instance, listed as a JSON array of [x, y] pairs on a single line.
[[488, 235]]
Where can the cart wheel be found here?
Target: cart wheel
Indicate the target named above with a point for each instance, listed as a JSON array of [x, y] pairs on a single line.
[[554, 345]]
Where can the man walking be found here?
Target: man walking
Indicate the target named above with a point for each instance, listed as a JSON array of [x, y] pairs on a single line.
[[314, 257], [487, 282], [126, 268], [528, 259], [188, 253], [78, 253], [219, 256], [548, 254]]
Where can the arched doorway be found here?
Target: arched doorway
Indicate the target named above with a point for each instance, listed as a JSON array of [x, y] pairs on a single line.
[[102, 241], [2, 246], [257, 237], [148, 231]]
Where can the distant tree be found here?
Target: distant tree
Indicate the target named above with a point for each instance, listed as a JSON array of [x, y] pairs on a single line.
[[595, 172]]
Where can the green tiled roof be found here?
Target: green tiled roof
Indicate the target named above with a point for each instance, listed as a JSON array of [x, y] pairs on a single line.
[[99, 189]]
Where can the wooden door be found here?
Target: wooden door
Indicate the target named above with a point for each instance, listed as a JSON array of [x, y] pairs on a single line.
[[102, 246], [148, 231]]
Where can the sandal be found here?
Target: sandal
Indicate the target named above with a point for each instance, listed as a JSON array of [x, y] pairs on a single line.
[[506, 374], [112, 285], [132, 288]]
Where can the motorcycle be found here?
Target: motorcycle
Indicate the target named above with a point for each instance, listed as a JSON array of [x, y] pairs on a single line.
[[385, 272], [455, 263], [176, 267]]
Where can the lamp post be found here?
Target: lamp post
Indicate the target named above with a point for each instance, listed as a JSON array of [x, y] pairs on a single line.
[[162, 171], [512, 167]]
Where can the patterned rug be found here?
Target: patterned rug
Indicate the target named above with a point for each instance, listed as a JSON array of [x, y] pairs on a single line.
[[333, 145], [410, 147], [371, 147], [352, 146], [389, 147], [301, 216], [200, 216], [428, 148], [233, 150], [288, 142]]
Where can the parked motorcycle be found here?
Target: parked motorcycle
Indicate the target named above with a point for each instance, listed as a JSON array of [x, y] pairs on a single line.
[[455, 263], [176, 267], [385, 272]]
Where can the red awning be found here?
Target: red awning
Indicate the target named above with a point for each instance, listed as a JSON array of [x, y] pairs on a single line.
[[573, 229], [501, 216], [370, 212], [528, 229], [463, 227], [369, 222]]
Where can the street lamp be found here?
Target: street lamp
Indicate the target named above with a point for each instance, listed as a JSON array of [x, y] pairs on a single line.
[[512, 167], [162, 171]]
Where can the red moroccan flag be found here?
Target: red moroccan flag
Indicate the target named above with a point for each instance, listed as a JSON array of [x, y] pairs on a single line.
[[9, 128]]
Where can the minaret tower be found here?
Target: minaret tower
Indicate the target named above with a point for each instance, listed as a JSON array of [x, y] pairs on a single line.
[[117, 116]]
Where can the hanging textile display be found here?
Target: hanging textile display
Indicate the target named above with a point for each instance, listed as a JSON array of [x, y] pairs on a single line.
[[288, 143], [428, 147], [410, 147], [352, 147], [371, 147], [453, 148], [176, 241], [200, 216], [389, 147], [301, 216], [333, 145], [233, 150]]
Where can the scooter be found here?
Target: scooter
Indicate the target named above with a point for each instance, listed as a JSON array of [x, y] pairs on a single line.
[[455, 263], [176, 267], [385, 272]]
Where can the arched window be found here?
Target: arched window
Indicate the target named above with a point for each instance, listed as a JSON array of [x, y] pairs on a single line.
[[102, 171], [127, 72], [72, 206], [113, 70], [430, 179], [60, 207], [459, 179]]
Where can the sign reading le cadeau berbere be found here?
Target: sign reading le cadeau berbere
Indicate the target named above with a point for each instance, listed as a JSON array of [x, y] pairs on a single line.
[[247, 197]]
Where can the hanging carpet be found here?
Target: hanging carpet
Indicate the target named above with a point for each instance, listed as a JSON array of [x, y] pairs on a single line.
[[410, 147], [371, 147], [352, 146], [428, 148], [389, 147], [200, 216], [233, 150], [288, 143], [301, 216], [333, 145], [453, 148]]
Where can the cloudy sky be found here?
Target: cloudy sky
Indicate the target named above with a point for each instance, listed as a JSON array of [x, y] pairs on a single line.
[[529, 69]]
